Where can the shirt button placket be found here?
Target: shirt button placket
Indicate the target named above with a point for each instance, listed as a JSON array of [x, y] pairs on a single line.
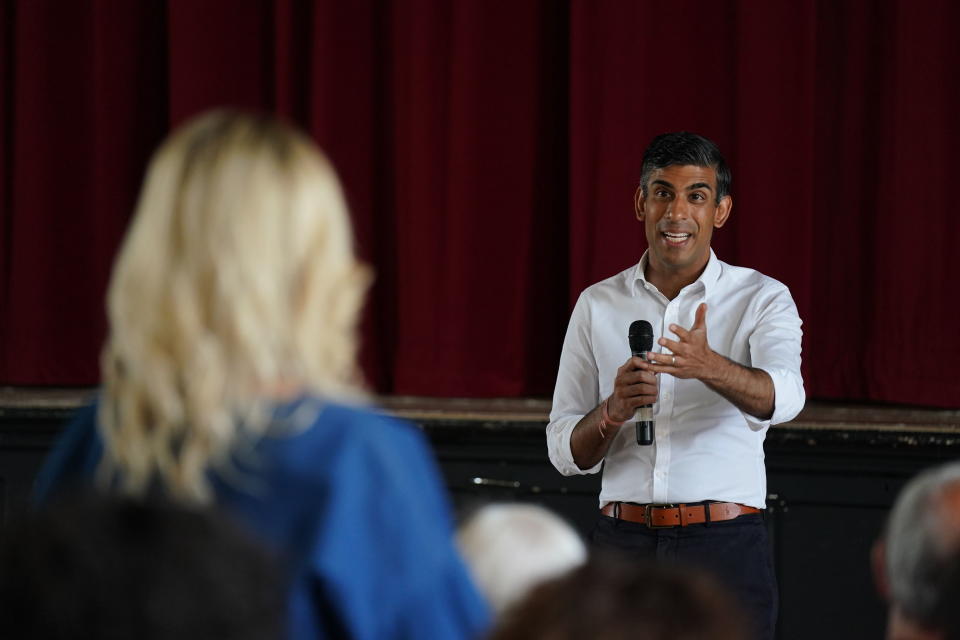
[[664, 409]]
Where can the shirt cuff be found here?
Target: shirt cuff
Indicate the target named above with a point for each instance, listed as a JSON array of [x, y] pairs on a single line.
[[788, 399], [558, 447]]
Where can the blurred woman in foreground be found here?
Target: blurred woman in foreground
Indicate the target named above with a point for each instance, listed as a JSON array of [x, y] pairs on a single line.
[[230, 378]]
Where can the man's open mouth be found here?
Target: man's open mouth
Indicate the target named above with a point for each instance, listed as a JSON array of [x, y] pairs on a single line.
[[676, 238]]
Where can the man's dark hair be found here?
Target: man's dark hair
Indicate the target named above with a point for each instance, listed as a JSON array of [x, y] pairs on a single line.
[[618, 598], [118, 568], [685, 148]]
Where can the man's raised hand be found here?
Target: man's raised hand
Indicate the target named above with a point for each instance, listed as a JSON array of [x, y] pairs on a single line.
[[691, 355]]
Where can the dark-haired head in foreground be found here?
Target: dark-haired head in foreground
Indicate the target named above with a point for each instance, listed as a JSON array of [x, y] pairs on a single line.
[[618, 599], [105, 569]]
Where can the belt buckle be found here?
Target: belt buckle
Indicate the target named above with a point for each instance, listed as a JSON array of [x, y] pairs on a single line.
[[648, 520]]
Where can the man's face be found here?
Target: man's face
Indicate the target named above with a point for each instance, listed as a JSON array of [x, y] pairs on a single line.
[[679, 214]]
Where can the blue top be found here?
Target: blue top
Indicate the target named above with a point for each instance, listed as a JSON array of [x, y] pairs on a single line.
[[354, 501]]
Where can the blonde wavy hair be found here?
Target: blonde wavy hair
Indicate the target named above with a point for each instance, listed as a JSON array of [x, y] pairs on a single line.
[[235, 287]]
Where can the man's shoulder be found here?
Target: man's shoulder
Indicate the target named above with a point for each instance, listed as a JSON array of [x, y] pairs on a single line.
[[746, 278], [619, 283]]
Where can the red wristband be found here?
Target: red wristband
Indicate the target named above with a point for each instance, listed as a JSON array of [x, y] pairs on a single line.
[[605, 419]]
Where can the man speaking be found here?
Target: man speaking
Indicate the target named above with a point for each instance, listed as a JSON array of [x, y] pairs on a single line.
[[724, 366]]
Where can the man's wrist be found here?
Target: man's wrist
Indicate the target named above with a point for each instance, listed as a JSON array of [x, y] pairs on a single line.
[[719, 371], [606, 420]]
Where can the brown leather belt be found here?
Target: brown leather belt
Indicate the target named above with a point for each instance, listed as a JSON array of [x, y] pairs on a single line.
[[658, 516]]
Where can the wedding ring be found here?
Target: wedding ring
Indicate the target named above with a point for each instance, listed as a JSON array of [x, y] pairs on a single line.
[[674, 361]]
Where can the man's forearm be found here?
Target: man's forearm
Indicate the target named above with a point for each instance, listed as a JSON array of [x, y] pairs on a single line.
[[750, 390], [587, 444]]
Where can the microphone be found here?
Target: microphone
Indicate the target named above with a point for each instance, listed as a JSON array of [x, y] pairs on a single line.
[[641, 341]]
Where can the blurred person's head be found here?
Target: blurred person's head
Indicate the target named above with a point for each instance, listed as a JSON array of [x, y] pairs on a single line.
[[511, 548], [236, 285], [111, 569], [917, 559], [621, 599]]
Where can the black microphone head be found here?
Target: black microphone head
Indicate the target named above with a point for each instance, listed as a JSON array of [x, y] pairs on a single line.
[[641, 336]]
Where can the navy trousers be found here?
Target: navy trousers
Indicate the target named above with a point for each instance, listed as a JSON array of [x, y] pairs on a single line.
[[736, 552]]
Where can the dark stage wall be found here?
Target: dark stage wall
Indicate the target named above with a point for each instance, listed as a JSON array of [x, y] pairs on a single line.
[[490, 151], [833, 474]]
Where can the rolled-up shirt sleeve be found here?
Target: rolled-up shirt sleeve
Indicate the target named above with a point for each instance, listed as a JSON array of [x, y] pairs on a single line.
[[775, 347], [577, 391]]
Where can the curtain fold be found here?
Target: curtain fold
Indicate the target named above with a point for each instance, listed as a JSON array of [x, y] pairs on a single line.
[[490, 152]]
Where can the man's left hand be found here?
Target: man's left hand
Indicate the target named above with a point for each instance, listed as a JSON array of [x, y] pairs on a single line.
[[691, 356]]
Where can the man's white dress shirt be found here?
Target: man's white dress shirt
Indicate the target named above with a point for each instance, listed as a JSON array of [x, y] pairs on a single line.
[[705, 448]]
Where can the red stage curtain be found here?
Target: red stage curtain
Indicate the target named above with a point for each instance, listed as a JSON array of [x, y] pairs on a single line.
[[490, 151]]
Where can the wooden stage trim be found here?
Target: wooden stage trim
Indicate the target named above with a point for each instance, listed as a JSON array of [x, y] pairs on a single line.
[[816, 416]]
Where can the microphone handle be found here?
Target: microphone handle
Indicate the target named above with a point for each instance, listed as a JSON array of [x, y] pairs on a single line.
[[643, 417]]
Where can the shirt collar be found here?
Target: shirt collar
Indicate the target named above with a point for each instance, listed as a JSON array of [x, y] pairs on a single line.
[[708, 278]]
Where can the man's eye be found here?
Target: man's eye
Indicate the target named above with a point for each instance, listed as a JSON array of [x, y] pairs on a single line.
[[661, 193], [697, 196]]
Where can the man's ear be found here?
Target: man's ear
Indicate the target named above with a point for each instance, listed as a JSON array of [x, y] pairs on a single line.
[[639, 200], [878, 562], [723, 211]]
